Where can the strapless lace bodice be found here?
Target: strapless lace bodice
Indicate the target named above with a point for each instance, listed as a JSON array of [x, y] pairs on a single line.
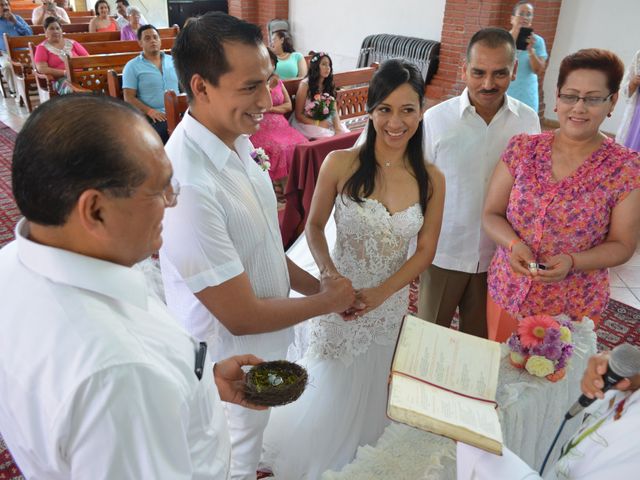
[[371, 245]]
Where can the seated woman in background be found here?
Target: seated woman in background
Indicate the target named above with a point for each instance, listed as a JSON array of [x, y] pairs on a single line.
[[276, 136], [103, 22], [291, 64], [130, 30], [629, 132], [568, 199], [50, 54], [319, 81]]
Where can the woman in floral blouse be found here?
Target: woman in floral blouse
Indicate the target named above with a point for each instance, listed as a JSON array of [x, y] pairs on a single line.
[[568, 199]]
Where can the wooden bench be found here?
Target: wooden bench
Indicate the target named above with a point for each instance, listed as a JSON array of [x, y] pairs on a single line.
[[175, 106], [66, 28], [27, 12], [18, 51], [44, 82], [89, 74]]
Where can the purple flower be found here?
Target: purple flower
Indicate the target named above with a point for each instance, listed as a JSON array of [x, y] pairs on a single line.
[[551, 335]]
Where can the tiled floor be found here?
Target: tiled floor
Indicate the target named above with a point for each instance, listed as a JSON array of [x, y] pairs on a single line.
[[625, 282], [11, 113], [625, 279]]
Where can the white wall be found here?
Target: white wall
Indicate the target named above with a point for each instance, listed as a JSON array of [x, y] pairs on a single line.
[[155, 11], [316, 26], [610, 24]]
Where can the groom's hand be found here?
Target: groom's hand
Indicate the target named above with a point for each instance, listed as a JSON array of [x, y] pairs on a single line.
[[338, 292]]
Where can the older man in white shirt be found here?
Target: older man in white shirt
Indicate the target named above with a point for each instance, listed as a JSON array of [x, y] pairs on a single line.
[[46, 10], [225, 272], [97, 380], [465, 137]]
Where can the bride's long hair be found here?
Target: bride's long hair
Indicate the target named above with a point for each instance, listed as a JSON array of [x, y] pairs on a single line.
[[391, 75]]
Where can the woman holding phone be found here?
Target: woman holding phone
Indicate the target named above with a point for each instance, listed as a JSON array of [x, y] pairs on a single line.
[[568, 199], [532, 56]]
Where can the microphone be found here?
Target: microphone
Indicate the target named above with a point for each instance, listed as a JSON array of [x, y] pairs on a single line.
[[624, 362]]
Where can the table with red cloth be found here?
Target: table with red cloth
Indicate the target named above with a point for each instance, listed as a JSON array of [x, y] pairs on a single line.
[[307, 159]]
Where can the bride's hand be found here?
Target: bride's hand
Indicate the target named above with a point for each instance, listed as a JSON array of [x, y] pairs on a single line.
[[372, 298]]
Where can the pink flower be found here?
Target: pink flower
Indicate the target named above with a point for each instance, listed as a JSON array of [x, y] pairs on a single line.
[[532, 329], [325, 110], [317, 96]]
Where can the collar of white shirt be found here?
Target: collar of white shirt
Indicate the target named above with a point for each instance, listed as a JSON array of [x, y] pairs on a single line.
[[212, 147], [65, 267], [508, 104]]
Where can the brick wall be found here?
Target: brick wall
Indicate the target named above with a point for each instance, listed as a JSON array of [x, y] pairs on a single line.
[[259, 12], [462, 18]]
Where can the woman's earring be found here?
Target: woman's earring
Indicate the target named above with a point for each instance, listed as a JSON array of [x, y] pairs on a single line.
[[555, 109], [609, 114]]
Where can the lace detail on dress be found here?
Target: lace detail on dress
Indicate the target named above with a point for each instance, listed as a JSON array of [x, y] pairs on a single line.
[[371, 245]]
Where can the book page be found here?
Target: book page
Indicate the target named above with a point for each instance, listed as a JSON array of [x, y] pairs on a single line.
[[446, 407], [448, 358]]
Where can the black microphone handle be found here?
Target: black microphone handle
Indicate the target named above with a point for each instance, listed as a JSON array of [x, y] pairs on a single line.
[[610, 379]]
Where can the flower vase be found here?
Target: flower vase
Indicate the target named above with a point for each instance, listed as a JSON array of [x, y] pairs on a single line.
[[557, 375]]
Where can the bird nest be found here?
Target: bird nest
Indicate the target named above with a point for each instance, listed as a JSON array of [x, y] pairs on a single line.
[[275, 383]]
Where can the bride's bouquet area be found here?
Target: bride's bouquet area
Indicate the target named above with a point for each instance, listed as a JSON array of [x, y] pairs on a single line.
[[320, 107], [542, 345]]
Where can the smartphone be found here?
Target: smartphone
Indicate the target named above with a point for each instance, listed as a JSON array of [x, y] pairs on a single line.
[[521, 42]]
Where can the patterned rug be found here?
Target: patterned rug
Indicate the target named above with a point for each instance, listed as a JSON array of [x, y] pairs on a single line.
[[620, 324], [9, 214]]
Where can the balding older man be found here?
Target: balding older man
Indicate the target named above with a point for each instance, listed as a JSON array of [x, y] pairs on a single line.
[[97, 380]]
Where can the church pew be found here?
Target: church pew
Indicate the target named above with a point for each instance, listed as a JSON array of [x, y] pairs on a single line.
[[27, 12], [89, 74], [67, 28], [175, 105], [44, 82], [18, 51]]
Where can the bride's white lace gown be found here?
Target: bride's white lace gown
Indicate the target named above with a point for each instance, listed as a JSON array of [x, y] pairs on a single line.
[[344, 405]]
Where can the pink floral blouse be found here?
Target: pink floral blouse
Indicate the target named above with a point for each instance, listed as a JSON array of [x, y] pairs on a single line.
[[552, 217]]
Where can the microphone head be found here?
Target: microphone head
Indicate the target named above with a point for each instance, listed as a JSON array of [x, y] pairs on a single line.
[[625, 360]]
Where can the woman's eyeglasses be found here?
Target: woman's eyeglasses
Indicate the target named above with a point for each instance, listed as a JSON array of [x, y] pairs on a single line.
[[568, 99]]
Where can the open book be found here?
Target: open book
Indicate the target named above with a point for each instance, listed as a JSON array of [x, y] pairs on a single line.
[[445, 381]]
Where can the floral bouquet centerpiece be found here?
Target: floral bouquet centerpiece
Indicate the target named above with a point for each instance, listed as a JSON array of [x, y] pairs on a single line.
[[320, 107], [542, 346]]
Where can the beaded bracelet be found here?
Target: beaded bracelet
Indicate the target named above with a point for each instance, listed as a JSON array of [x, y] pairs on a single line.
[[513, 242]]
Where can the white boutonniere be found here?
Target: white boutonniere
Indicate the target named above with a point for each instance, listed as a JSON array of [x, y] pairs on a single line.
[[261, 158]]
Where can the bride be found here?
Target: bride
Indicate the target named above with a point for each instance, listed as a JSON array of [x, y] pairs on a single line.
[[384, 195]]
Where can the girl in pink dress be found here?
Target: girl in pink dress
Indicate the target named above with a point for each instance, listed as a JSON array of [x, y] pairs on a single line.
[[276, 136], [568, 199]]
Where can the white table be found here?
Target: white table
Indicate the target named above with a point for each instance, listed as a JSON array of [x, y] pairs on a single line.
[[530, 409]]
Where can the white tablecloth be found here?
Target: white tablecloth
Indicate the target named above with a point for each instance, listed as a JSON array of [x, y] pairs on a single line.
[[530, 410]]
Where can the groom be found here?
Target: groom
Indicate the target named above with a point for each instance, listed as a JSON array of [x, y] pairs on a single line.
[[224, 269]]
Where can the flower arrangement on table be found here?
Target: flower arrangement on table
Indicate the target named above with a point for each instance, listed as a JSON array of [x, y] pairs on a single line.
[[542, 345], [261, 158], [320, 107]]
